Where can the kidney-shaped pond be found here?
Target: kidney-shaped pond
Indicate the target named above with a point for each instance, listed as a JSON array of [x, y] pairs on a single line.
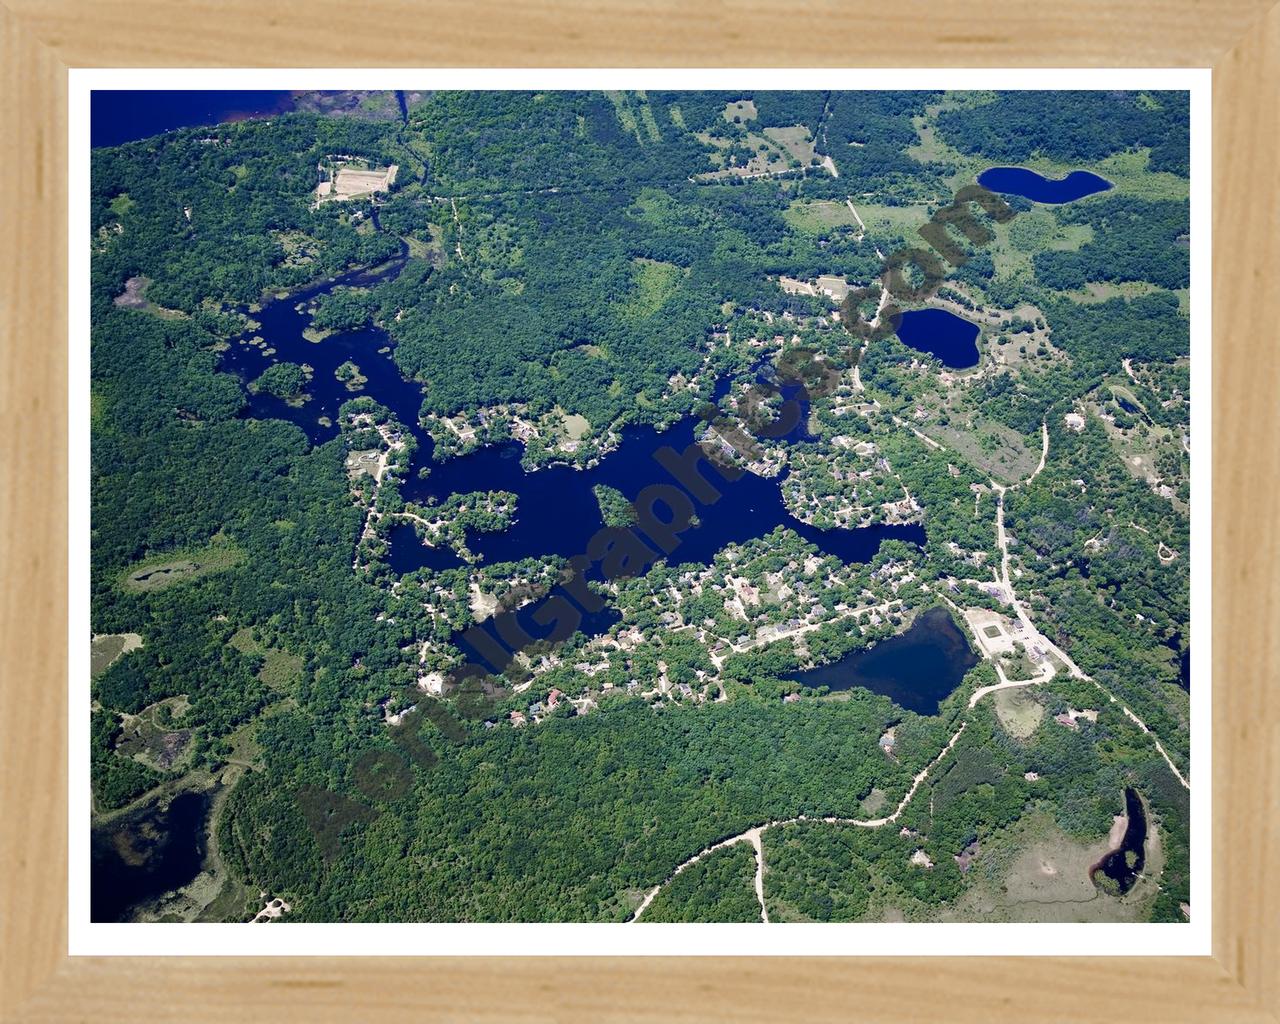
[[1020, 181]]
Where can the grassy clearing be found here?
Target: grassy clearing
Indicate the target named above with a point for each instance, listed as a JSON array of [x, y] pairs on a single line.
[[1019, 713], [740, 111], [653, 283], [163, 570], [105, 649], [280, 669], [892, 221], [121, 204], [647, 120], [989, 446], [1035, 872], [797, 142], [1101, 291], [874, 801], [819, 216], [622, 108], [1017, 241], [635, 115], [1131, 176], [576, 427], [245, 642], [420, 250]]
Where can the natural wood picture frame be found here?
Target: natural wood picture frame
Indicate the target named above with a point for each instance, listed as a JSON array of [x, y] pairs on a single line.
[[41, 39]]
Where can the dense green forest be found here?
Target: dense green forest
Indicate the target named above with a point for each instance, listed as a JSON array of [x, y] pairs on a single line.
[[716, 888], [1087, 126], [565, 265]]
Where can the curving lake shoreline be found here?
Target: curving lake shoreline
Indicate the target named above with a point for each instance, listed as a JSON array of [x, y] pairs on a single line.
[[1022, 181]]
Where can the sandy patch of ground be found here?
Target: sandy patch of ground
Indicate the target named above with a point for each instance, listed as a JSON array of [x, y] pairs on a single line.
[[433, 683], [921, 859], [482, 605], [350, 182], [994, 632], [275, 908], [1119, 824]]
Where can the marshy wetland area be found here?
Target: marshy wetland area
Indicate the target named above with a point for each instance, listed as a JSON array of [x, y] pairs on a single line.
[[576, 507]]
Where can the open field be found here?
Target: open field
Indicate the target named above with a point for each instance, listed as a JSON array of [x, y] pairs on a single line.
[[166, 569], [152, 738], [990, 446], [742, 110], [280, 669], [653, 282], [105, 649], [1019, 713], [1036, 872], [796, 140], [350, 183], [576, 426], [873, 802], [892, 221], [818, 216], [1101, 291], [1017, 241]]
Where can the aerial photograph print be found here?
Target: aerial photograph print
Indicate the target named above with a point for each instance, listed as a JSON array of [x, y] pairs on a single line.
[[638, 506]]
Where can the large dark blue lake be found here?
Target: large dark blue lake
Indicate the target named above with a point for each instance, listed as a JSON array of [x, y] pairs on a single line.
[[117, 116], [916, 669], [557, 512], [1020, 181], [940, 333]]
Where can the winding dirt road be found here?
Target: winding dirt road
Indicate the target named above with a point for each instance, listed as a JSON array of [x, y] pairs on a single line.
[[1034, 636], [752, 835]]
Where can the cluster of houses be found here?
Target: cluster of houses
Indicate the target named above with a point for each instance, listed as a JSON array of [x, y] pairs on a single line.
[[538, 711]]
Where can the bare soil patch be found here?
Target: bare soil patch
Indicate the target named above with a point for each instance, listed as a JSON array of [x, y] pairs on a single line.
[[350, 182]]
